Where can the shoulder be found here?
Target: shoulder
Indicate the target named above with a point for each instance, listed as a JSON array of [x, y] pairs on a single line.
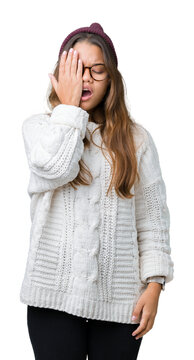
[[35, 119], [141, 136]]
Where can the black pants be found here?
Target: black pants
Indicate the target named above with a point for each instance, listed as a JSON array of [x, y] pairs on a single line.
[[58, 335]]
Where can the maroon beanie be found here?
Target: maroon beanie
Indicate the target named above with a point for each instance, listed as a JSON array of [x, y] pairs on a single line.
[[95, 28]]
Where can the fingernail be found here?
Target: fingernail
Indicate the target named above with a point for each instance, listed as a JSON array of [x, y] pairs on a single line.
[[49, 75], [133, 317], [71, 50], [64, 52]]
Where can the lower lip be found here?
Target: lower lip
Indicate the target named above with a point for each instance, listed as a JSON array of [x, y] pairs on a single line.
[[84, 98]]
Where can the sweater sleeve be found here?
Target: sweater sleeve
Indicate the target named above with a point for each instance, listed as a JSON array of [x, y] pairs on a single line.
[[152, 216], [54, 146]]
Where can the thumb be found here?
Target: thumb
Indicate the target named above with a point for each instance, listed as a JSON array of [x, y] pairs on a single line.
[[53, 81], [137, 312]]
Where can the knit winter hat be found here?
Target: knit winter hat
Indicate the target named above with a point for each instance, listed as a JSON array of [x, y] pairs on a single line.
[[95, 28]]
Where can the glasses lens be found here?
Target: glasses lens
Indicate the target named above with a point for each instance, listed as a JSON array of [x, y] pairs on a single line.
[[99, 72]]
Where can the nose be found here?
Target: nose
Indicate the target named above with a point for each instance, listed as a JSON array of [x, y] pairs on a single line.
[[86, 74]]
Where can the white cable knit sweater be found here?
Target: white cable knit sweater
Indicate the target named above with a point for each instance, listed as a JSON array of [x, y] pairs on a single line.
[[90, 254]]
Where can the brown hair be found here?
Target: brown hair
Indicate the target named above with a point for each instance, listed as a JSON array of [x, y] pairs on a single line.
[[116, 124]]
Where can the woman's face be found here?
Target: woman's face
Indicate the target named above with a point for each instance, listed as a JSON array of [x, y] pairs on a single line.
[[91, 54]]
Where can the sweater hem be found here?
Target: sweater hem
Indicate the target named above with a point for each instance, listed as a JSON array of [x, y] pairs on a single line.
[[76, 305]]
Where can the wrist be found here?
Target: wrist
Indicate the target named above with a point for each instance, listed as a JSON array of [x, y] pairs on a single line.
[[70, 103], [155, 286]]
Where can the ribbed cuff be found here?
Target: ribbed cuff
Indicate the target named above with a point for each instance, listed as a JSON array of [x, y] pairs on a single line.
[[70, 115]]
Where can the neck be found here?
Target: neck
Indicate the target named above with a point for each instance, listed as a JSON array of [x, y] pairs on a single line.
[[96, 115]]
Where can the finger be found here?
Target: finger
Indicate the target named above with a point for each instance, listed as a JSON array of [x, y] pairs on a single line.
[[68, 62], [53, 81], [148, 328], [142, 326], [80, 68], [62, 63], [74, 63]]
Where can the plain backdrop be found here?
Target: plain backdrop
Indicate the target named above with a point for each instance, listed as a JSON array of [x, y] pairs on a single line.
[[154, 43]]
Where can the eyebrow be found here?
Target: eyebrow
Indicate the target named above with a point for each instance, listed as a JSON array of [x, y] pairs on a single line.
[[101, 63]]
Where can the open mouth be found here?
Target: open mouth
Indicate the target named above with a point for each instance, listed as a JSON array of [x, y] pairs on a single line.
[[86, 94]]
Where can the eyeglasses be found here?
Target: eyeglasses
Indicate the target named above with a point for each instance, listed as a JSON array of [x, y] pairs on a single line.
[[97, 72]]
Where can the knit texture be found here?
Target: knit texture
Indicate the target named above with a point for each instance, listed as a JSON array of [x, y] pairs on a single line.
[[94, 28], [91, 254]]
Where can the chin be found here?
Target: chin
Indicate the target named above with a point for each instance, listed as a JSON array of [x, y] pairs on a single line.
[[86, 106]]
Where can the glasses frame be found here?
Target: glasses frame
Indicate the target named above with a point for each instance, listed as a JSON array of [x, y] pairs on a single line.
[[90, 67]]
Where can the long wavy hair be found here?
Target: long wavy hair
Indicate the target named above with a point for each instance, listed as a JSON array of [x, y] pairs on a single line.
[[116, 124]]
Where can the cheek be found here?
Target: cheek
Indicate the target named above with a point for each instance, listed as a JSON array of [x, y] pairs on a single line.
[[101, 91]]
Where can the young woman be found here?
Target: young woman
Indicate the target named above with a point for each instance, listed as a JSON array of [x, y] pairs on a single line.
[[99, 251]]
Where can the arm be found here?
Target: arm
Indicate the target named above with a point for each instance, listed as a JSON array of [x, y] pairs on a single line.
[[54, 146], [152, 216]]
